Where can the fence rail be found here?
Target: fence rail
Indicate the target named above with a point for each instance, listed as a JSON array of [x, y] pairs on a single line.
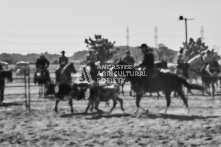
[[25, 83]]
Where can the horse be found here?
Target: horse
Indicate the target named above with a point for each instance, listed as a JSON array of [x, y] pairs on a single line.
[[4, 74], [166, 82], [64, 85], [207, 78], [41, 78], [161, 65]]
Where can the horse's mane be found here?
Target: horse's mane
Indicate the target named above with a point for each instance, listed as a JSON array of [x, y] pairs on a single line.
[[65, 67]]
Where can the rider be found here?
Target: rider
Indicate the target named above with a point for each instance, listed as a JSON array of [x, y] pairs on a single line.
[[207, 59], [42, 64], [148, 61], [128, 58], [63, 60]]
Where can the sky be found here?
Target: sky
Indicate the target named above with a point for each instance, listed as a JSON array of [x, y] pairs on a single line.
[[38, 26]]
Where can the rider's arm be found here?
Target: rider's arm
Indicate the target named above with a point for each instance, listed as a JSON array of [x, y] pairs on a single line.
[[47, 62]]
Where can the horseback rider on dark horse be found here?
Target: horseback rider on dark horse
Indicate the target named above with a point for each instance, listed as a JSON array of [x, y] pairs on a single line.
[[63, 60], [148, 61], [42, 65]]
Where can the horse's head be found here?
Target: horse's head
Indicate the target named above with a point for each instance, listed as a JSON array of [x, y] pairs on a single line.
[[69, 68], [214, 67]]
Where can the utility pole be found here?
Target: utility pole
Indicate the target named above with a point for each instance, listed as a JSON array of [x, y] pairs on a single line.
[[186, 32]]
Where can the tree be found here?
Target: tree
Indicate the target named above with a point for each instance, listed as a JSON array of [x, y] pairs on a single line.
[[194, 47], [164, 53], [101, 47]]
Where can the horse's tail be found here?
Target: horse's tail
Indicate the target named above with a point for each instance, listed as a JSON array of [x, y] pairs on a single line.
[[190, 86]]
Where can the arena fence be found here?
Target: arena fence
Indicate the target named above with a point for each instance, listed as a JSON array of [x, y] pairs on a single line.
[[25, 83], [22, 85]]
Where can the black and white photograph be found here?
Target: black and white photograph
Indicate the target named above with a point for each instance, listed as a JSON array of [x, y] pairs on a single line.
[[110, 73]]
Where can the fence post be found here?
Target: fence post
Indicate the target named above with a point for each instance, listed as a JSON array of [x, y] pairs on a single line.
[[29, 94]]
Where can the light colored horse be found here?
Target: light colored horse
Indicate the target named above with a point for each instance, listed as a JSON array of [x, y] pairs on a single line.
[[195, 64]]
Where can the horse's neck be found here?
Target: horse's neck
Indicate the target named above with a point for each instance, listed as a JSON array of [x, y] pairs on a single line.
[[195, 62]]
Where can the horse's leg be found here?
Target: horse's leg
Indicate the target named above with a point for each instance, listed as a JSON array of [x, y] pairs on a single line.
[[107, 104], [131, 94], [138, 98], [44, 91], [158, 95], [56, 105], [90, 104], [181, 94], [191, 81], [168, 99], [213, 90], [2, 94], [121, 103], [39, 90], [114, 105], [122, 88], [71, 105], [150, 94], [96, 106]]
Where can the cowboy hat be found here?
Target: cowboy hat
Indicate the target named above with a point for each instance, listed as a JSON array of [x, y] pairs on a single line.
[[63, 51], [143, 46]]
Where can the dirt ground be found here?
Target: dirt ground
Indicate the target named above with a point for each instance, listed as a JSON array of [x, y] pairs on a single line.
[[41, 126]]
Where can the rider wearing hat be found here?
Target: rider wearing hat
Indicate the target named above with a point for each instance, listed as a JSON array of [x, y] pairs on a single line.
[[148, 60], [42, 63], [128, 58], [63, 60]]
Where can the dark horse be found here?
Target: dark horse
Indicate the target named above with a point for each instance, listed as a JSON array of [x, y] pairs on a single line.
[[209, 79], [4, 74], [41, 78], [166, 82], [63, 87], [158, 64]]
